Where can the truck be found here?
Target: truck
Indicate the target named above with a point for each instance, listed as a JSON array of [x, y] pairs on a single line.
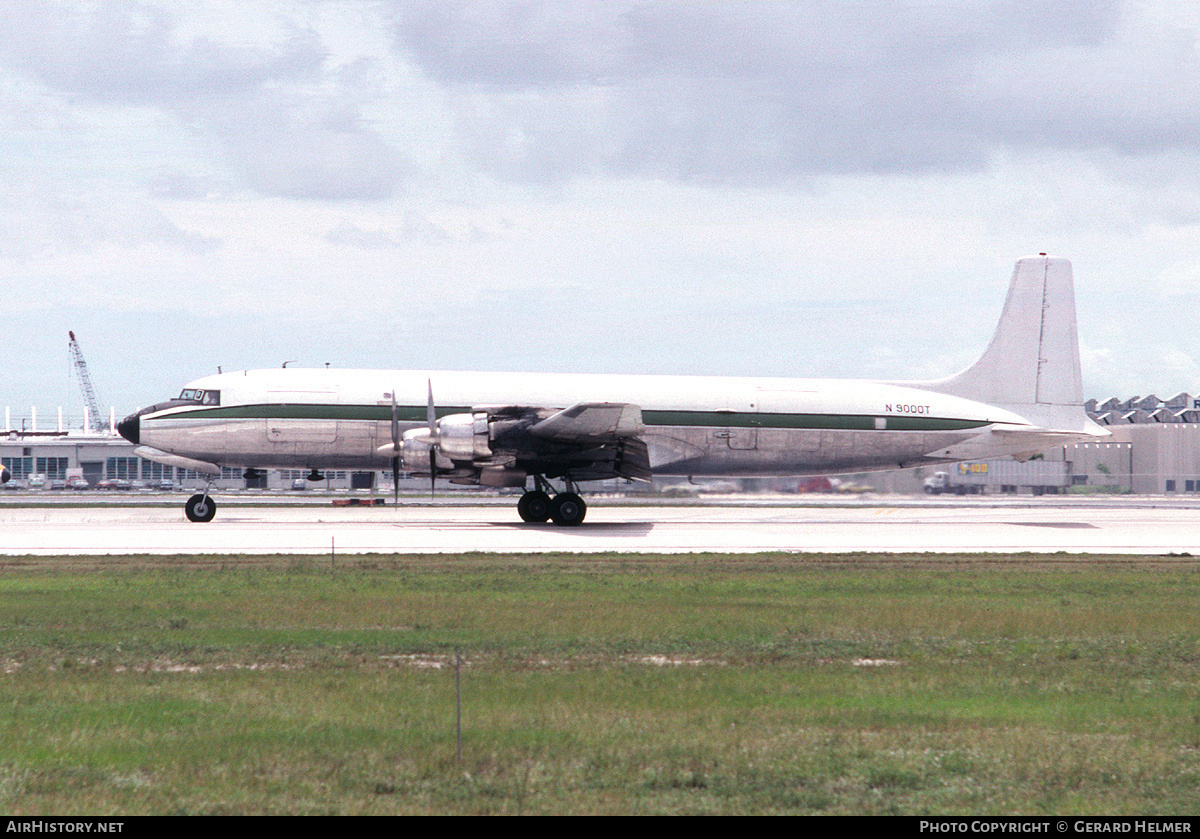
[[1041, 477]]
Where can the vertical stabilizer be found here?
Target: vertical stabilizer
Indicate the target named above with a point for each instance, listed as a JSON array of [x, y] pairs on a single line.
[[1032, 364]]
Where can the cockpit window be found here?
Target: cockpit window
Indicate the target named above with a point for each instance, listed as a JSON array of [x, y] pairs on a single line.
[[201, 397]]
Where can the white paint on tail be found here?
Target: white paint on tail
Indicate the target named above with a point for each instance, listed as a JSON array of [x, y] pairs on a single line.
[[1031, 367]]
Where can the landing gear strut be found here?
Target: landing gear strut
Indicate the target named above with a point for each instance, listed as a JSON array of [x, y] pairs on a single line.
[[200, 507], [566, 509]]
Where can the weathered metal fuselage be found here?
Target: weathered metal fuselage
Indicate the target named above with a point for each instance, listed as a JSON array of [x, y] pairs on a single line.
[[712, 426]]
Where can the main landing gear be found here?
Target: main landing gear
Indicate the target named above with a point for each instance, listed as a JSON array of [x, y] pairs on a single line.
[[566, 509]]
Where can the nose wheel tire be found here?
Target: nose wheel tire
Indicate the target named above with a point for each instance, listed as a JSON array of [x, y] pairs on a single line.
[[534, 506], [200, 508], [567, 509]]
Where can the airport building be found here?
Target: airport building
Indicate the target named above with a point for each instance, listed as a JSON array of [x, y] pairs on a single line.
[[1154, 448], [47, 459]]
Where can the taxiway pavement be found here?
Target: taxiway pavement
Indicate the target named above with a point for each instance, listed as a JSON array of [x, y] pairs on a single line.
[[1152, 526]]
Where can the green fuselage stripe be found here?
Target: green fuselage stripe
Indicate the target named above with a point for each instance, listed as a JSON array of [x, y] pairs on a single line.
[[714, 419], [377, 413]]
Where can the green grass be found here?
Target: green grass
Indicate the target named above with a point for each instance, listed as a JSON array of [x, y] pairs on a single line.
[[601, 684]]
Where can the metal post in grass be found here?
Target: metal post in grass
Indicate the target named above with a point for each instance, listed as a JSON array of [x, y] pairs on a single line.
[[458, 702]]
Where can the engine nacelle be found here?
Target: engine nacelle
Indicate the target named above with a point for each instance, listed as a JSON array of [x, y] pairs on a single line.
[[414, 453], [464, 436], [459, 437]]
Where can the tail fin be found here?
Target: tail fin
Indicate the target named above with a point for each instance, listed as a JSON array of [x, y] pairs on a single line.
[[1031, 366]]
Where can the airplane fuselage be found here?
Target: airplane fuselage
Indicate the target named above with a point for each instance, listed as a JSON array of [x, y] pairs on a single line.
[[1022, 396], [710, 426]]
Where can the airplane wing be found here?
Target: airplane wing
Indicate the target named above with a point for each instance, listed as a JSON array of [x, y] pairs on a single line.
[[591, 421], [499, 445], [588, 441]]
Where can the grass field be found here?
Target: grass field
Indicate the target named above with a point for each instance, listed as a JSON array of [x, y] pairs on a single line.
[[601, 684]]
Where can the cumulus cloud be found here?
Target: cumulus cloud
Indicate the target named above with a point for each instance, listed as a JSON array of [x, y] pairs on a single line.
[[318, 149], [259, 104], [730, 91], [134, 52]]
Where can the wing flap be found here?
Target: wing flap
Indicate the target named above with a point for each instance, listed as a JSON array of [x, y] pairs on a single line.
[[626, 458]]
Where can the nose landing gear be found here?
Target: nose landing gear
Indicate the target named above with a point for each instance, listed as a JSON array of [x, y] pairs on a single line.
[[200, 507]]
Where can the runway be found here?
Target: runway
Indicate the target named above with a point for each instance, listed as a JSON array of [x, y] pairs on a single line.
[[1150, 525]]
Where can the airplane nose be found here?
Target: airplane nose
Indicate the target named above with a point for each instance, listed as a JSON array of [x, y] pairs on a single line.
[[4, 474], [131, 428]]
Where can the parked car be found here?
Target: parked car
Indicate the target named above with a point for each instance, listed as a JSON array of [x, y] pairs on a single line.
[[299, 483], [106, 484], [78, 482]]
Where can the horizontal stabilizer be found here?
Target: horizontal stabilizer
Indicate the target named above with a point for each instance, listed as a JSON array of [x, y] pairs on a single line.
[[177, 461], [1018, 442], [591, 421]]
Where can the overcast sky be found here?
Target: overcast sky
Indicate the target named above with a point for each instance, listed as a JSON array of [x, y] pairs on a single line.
[[744, 188]]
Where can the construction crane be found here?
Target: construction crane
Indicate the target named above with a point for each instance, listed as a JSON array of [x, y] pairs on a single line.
[[95, 421]]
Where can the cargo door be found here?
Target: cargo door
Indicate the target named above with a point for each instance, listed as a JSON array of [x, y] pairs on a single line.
[[742, 409]]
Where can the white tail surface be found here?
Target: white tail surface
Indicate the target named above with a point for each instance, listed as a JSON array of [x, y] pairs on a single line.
[[1031, 367]]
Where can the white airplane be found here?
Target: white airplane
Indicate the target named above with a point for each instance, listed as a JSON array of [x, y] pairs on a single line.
[[509, 429]]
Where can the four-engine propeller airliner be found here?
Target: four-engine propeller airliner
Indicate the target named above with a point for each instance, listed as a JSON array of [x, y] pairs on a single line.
[[512, 429]]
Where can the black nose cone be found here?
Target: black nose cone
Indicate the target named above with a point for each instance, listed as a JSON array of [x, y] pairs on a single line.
[[131, 428]]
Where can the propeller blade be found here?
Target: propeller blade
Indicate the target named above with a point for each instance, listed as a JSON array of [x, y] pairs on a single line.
[[431, 416], [395, 422], [396, 449], [430, 413]]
